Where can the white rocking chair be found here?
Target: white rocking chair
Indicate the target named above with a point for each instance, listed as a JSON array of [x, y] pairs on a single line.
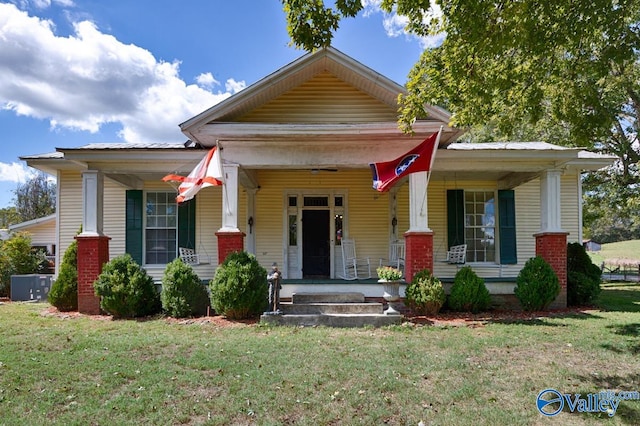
[[354, 268], [396, 255], [190, 257]]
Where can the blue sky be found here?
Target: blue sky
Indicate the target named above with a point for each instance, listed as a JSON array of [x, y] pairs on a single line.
[[74, 72]]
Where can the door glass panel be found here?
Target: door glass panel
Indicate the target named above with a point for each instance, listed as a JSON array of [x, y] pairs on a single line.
[[293, 230]]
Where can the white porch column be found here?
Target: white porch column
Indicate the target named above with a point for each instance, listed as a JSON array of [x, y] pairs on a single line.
[[418, 215], [92, 200], [550, 207], [230, 199]]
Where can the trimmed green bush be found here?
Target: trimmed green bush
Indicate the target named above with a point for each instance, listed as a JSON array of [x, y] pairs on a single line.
[[537, 285], [239, 288], [17, 257], [583, 277], [183, 295], [126, 290], [468, 293], [425, 294], [64, 291]]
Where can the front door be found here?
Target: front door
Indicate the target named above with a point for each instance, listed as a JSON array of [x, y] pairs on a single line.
[[316, 250]]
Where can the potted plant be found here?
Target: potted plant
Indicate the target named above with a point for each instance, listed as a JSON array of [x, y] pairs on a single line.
[[389, 274], [390, 278]]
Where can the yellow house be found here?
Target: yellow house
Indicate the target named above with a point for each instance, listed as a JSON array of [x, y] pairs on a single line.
[[296, 148]]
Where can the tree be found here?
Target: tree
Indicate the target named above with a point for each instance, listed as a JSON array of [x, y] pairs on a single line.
[[35, 198], [17, 257], [8, 216], [556, 70]]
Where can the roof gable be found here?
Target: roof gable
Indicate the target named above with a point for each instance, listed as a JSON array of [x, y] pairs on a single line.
[[323, 99], [293, 77]]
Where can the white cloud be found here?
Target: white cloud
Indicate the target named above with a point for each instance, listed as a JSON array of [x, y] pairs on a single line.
[[234, 86], [394, 24], [16, 172], [90, 78], [207, 80]]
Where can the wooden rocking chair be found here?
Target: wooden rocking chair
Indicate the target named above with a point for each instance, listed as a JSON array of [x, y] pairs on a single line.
[[396, 255], [354, 268]]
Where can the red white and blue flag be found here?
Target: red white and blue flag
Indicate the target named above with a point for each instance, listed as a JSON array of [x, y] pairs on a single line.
[[208, 172], [419, 159]]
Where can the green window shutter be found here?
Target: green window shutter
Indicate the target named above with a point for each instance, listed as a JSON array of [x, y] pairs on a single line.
[[507, 221], [455, 217], [133, 224], [187, 224]]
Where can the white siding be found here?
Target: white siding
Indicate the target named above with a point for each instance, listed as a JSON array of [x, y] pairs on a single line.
[[570, 219], [366, 216], [114, 216], [323, 99], [69, 209], [42, 234]]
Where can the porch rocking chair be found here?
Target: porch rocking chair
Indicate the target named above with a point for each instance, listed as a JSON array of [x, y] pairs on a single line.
[[190, 257], [396, 256], [354, 268]]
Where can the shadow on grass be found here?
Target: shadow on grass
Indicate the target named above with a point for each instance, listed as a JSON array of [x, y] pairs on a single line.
[[515, 317], [621, 298], [544, 317], [632, 346], [628, 411]]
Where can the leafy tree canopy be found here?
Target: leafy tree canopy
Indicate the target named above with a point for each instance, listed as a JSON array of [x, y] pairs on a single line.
[[35, 198], [561, 71]]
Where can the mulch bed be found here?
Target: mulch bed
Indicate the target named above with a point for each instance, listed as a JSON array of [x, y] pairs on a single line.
[[443, 319]]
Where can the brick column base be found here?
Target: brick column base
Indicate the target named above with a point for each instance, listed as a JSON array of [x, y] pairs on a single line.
[[552, 247], [93, 253], [229, 242], [418, 253]]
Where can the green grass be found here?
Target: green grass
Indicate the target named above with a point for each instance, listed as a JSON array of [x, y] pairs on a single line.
[[87, 371], [629, 250]]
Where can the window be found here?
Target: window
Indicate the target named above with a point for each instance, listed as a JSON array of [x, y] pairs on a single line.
[[161, 227], [478, 219], [480, 226]]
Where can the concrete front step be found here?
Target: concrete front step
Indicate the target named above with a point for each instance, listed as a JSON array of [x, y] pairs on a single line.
[[332, 320], [331, 308], [331, 297]]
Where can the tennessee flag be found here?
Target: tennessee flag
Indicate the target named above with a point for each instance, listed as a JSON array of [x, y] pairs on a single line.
[[208, 172], [419, 159]]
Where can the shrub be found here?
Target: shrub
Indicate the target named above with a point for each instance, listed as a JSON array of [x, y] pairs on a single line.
[[5, 274], [536, 285], [468, 292], [583, 277], [425, 294], [64, 291], [239, 288], [183, 295], [17, 257], [126, 290]]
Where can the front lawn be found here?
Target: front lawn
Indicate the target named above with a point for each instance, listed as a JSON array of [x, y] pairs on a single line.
[[84, 370]]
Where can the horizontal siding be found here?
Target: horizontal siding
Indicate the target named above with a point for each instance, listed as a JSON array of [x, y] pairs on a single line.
[[69, 209], [366, 217], [322, 99], [570, 216], [527, 223], [114, 216], [42, 234]]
